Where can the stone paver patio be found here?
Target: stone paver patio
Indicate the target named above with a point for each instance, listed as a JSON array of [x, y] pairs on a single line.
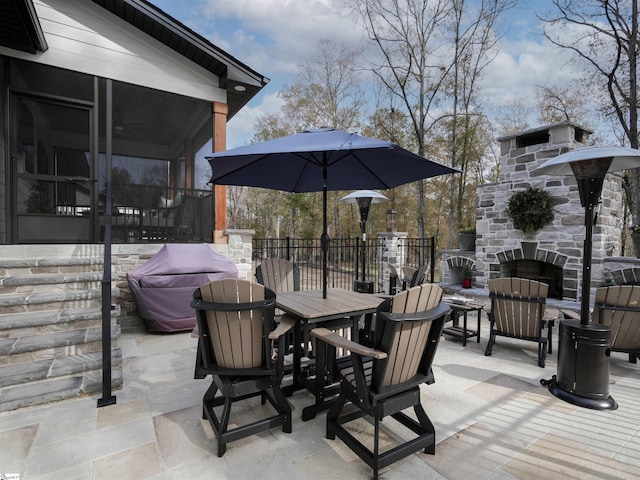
[[493, 421]]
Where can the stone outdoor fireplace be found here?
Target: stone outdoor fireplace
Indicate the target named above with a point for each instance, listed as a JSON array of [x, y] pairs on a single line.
[[554, 253]]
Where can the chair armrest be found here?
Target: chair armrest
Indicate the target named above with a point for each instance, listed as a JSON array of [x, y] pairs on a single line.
[[339, 341], [286, 323], [570, 314]]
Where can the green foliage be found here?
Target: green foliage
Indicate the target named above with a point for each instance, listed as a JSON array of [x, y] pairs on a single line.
[[468, 230], [608, 280], [530, 209], [466, 272]]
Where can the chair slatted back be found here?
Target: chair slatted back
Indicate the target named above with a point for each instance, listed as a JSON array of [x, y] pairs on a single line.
[[416, 300], [237, 322], [408, 273], [518, 305], [394, 279], [393, 271], [187, 210], [418, 276], [619, 308], [279, 275], [405, 336]]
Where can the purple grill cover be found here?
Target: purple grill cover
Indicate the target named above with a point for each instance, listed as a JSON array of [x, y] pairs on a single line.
[[163, 286]]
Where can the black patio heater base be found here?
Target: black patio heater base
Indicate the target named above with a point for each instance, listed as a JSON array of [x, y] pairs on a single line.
[[583, 366], [593, 403]]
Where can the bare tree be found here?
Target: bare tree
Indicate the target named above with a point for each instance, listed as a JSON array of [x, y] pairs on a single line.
[[511, 117], [413, 66], [474, 39], [430, 51], [603, 35], [558, 104], [327, 92]]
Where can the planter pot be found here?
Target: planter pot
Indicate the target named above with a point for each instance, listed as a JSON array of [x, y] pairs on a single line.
[[466, 283], [467, 241], [635, 237]]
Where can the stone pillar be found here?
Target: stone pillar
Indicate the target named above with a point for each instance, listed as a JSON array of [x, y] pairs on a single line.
[[391, 254], [240, 249]]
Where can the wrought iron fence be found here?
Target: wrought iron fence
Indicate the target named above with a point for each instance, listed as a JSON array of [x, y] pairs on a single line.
[[344, 264], [419, 251]]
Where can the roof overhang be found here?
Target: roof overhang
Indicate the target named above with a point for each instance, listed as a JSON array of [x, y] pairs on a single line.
[[20, 30], [241, 82]]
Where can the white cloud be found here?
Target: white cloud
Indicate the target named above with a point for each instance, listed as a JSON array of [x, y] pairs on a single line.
[[240, 129], [520, 66], [274, 36], [283, 32]]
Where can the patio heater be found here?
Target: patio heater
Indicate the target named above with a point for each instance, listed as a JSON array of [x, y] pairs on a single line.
[[364, 199], [583, 346]]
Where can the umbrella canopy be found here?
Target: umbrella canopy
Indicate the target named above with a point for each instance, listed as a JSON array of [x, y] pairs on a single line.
[[321, 160], [295, 163]]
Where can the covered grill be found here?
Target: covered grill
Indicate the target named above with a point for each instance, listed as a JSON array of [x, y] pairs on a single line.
[[163, 286]]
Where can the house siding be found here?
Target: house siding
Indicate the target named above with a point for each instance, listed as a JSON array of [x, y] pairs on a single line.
[[83, 37]]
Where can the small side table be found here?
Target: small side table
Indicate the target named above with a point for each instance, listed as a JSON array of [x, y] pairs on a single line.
[[549, 320], [463, 309]]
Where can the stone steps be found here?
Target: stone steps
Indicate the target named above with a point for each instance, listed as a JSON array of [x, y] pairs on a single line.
[[30, 283], [51, 330], [12, 267], [52, 300], [21, 373], [45, 318], [86, 382]]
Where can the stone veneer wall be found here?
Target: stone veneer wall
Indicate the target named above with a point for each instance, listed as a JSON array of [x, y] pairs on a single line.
[[124, 257], [622, 270], [561, 242]]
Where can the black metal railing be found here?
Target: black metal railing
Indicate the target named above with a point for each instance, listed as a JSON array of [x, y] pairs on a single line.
[[343, 259], [344, 263], [161, 214], [419, 251]]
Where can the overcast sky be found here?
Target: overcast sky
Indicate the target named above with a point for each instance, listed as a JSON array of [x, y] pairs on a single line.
[[274, 36]]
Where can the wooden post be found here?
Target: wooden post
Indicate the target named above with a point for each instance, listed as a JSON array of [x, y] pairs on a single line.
[[220, 111], [189, 164]]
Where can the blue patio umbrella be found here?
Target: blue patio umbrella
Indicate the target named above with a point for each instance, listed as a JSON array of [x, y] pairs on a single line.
[[322, 160]]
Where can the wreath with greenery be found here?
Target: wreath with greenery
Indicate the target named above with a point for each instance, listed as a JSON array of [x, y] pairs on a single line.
[[530, 209]]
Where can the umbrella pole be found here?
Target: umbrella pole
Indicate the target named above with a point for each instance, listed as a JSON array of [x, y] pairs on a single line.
[[324, 240], [107, 397]]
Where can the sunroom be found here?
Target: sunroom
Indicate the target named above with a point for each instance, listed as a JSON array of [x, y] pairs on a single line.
[[110, 92]]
